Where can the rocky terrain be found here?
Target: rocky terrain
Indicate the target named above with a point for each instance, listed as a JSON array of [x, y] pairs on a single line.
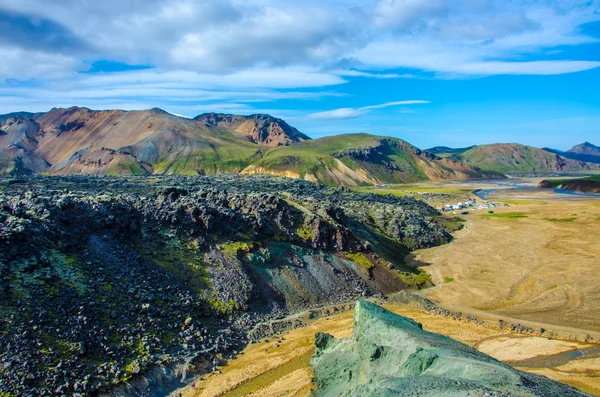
[[391, 355], [515, 158], [115, 142], [104, 280]]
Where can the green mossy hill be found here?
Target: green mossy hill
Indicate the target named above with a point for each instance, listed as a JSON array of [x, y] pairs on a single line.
[[391, 355], [360, 159], [102, 278]]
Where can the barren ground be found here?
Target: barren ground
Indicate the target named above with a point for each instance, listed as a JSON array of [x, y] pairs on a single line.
[[536, 260]]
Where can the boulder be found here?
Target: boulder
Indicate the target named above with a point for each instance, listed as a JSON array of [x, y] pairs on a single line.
[[391, 355]]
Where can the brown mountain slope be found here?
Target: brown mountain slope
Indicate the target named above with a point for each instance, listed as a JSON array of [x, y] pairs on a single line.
[[257, 128], [80, 140]]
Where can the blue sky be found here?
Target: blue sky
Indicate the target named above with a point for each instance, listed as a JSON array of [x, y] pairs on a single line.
[[432, 72]]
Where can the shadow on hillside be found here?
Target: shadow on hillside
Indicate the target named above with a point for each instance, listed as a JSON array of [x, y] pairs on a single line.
[[412, 262]]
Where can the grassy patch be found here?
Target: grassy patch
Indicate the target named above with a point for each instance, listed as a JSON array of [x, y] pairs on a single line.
[[419, 279], [507, 215], [362, 260], [452, 224], [561, 220], [448, 280]]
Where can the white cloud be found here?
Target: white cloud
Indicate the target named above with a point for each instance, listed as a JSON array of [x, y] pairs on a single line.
[[352, 113], [525, 68], [452, 60], [469, 37], [231, 37], [18, 63], [404, 14], [274, 78]]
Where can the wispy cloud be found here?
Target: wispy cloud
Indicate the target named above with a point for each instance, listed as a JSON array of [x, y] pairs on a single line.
[[374, 75], [352, 113], [182, 92]]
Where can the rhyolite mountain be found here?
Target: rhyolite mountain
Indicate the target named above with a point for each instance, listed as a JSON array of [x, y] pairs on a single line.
[[390, 355], [258, 128], [513, 157], [115, 142]]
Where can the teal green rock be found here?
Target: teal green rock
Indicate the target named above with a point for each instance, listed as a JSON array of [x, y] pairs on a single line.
[[391, 355]]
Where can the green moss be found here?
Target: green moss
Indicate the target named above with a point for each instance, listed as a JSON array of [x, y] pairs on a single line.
[[362, 260], [304, 232], [222, 307], [133, 367], [180, 258], [232, 249]]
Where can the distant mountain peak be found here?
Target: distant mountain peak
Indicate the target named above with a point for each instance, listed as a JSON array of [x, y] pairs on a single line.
[[585, 148]]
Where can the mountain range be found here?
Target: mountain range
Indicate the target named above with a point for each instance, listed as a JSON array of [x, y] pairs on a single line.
[[112, 142], [78, 140], [514, 157]]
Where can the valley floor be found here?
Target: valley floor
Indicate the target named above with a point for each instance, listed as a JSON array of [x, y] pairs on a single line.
[[534, 262]]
